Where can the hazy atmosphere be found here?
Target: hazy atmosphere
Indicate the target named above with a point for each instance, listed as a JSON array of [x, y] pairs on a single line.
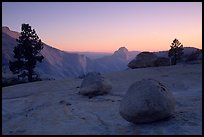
[[105, 26]]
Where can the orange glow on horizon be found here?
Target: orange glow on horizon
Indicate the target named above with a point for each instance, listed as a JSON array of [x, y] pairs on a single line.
[[110, 46], [107, 26]]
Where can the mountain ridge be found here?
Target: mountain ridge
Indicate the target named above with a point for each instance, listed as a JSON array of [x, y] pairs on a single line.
[[59, 64]]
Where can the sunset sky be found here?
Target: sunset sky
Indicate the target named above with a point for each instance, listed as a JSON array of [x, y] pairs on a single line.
[[104, 27]]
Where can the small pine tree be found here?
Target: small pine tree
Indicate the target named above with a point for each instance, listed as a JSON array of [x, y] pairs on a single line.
[[175, 52], [26, 53]]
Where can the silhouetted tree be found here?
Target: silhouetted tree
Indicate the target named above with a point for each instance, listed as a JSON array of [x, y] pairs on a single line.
[[175, 52], [26, 53]]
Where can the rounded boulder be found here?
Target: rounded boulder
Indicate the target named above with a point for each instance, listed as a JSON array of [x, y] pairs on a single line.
[[95, 84], [146, 101]]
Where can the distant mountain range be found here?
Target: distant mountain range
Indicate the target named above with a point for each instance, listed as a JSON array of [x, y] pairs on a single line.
[[59, 64]]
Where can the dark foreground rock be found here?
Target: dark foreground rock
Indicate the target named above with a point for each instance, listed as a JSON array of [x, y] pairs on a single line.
[[162, 61], [142, 60]]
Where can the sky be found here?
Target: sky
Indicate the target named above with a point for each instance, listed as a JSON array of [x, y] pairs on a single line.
[[106, 26]]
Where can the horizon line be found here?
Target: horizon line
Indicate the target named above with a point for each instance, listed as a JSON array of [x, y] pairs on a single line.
[[128, 50], [108, 52]]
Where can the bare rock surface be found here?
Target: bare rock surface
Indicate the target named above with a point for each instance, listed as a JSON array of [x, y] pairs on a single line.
[[54, 107]]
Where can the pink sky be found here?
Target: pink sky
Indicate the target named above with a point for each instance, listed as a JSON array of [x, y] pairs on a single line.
[[104, 27]]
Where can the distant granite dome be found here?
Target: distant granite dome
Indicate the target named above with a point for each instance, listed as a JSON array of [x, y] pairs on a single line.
[[122, 52]]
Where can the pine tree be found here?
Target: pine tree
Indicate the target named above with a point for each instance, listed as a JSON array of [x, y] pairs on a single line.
[[175, 52], [26, 53]]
